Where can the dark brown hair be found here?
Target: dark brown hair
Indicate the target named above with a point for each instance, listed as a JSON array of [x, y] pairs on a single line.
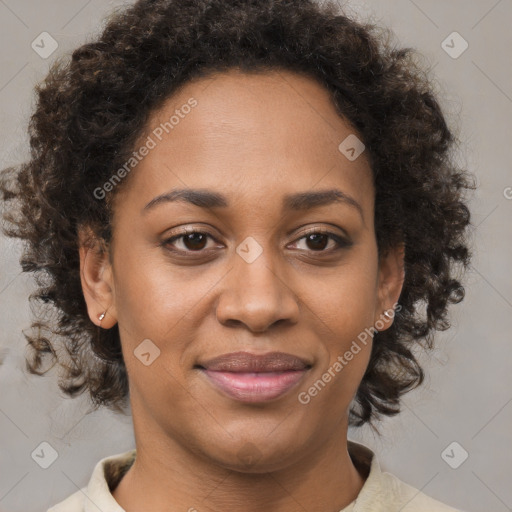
[[92, 107]]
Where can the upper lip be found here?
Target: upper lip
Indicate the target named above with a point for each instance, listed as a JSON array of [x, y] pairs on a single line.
[[247, 362]]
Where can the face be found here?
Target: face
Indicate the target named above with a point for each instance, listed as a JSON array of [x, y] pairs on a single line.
[[244, 232]]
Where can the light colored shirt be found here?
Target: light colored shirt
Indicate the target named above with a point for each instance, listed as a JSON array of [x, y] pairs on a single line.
[[381, 492]]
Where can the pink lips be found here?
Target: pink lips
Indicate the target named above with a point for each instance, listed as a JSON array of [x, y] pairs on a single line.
[[255, 378]]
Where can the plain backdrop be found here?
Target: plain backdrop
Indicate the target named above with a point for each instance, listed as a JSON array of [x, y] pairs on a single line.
[[467, 396]]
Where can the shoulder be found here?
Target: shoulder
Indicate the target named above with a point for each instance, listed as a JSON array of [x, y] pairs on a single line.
[[106, 475], [410, 499], [383, 491], [73, 503]]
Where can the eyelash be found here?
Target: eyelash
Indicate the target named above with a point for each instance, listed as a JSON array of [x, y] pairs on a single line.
[[341, 242]]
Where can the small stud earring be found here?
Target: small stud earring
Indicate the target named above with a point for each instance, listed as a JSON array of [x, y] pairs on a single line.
[[102, 316]]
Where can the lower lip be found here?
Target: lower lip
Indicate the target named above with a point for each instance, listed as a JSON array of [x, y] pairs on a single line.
[[255, 387]]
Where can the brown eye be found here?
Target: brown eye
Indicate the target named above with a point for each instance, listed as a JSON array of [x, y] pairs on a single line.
[[320, 241], [192, 241], [317, 241], [195, 241]]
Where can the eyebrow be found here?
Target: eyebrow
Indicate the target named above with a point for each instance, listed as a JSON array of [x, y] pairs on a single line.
[[298, 202]]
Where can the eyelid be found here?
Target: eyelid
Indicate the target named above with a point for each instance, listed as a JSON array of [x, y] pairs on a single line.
[[182, 231], [323, 229]]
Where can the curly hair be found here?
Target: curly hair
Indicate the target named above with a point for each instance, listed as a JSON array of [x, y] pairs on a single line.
[[92, 108]]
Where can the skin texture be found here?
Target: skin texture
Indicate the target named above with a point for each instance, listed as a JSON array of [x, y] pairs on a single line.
[[253, 138]]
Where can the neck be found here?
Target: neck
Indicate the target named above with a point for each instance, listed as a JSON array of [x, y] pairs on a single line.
[[165, 476]]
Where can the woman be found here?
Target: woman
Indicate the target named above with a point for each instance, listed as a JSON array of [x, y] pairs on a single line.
[[241, 211]]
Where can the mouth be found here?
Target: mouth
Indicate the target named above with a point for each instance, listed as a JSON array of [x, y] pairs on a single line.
[[253, 378]]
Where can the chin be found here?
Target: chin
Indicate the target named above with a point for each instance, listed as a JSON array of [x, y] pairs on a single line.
[[255, 456]]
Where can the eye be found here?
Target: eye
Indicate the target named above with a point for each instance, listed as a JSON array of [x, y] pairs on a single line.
[[190, 241], [318, 240]]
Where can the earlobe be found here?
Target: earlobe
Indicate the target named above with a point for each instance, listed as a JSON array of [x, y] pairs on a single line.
[[391, 280], [96, 279]]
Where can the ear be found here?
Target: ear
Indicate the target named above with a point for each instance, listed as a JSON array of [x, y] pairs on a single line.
[[96, 278], [390, 283]]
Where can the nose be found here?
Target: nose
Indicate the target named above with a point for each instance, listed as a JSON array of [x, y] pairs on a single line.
[[256, 296]]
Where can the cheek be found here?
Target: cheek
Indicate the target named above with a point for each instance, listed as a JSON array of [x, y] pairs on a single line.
[[354, 308], [152, 296], [166, 305], [346, 351], [350, 346], [344, 308], [345, 301]]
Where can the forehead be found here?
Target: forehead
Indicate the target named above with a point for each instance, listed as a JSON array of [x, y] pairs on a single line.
[[256, 135]]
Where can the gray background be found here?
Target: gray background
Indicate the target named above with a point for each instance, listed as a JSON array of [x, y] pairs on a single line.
[[468, 393]]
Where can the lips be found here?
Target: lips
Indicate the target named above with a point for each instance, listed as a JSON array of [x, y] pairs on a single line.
[[247, 362], [250, 377]]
